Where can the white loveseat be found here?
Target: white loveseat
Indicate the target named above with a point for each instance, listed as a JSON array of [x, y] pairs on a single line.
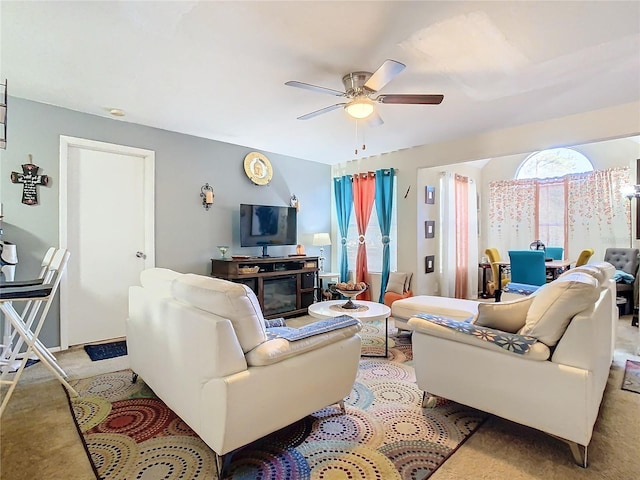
[[200, 343], [557, 385]]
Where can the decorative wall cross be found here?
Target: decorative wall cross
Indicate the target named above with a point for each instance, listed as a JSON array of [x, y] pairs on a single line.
[[29, 178]]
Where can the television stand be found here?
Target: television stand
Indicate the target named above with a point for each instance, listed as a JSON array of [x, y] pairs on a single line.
[[285, 287]]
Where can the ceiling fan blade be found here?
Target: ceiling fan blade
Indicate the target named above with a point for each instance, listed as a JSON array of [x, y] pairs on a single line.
[[414, 99], [374, 120], [321, 111], [315, 88], [384, 74]]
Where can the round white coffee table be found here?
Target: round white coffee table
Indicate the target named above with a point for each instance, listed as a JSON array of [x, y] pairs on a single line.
[[368, 312]]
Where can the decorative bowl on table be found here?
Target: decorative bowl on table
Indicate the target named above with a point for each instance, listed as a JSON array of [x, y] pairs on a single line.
[[351, 291]]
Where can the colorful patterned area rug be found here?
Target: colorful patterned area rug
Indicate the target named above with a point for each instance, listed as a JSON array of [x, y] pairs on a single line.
[[385, 434], [631, 381]]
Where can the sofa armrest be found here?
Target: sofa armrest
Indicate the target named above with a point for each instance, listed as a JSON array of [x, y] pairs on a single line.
[[279, 349], [538, 351]]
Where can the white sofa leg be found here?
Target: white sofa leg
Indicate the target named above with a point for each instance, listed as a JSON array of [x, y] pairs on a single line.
[[222, 463], [341, 406], [428, 402], [579, 453]]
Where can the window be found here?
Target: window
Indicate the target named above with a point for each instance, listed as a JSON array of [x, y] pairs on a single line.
[[550, 166], [373, 239], [555, 162]]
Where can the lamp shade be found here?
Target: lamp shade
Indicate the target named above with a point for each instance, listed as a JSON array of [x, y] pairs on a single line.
[[321, 239], [628, 191]]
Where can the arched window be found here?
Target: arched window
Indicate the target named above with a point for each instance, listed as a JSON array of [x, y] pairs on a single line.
[[555, 162], [549, 166]]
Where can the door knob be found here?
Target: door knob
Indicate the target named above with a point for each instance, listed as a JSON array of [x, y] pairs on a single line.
[[140, 255]]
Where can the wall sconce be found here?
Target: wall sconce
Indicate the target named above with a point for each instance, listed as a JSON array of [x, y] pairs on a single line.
[[206, 192], [294, 202]]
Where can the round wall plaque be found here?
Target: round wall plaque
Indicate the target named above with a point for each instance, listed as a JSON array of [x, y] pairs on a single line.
[[258, 168]]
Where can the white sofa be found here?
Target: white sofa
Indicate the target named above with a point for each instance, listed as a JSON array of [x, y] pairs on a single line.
[[557, 386], [200, 343]]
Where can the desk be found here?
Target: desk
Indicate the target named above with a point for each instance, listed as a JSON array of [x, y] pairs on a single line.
[[552, 268]]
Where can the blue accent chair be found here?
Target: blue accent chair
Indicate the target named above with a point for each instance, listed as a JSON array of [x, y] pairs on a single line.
[[557, 253], [528, 271]]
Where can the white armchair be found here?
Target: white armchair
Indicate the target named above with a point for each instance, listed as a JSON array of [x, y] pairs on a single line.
[[200, 343], [556, 386]]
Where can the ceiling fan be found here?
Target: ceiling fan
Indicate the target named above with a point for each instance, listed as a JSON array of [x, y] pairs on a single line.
[[360, 88]]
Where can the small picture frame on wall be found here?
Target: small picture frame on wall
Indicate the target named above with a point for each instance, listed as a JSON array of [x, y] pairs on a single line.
[[429, 229], [429, 264], [429, 195]]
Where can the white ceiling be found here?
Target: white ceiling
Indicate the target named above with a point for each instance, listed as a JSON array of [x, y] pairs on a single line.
[[217, 69]]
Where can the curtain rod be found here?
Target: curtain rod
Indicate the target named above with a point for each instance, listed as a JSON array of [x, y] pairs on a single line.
[[369, 172]]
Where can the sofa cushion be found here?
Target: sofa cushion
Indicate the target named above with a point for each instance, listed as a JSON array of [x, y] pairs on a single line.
[[506, 316], [555, 304], [456, 308], [234, 301], [158, 280]]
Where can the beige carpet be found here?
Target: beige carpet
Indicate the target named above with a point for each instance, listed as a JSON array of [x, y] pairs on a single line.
[[38, 438]]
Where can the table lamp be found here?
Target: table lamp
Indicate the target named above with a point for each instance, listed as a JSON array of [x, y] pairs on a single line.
[[320, 240]]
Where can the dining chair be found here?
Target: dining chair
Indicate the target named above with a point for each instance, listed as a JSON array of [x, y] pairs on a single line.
[[556, 253], [584, 256], [528, 267], [494, 256]]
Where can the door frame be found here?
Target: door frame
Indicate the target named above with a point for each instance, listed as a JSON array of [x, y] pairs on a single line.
[[66, 143]]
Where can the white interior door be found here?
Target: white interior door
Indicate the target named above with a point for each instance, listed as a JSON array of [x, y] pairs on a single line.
[[106, 216]]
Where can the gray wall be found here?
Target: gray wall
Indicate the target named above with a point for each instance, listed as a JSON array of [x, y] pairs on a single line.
[[186, 234]]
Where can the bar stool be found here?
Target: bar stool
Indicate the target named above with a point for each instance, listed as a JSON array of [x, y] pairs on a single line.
[[39, 298]]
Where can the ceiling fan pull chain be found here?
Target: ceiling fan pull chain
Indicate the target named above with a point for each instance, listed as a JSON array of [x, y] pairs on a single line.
[[356, 137]]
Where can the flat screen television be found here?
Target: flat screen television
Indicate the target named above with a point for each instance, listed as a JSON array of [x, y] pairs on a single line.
[[267, 225]]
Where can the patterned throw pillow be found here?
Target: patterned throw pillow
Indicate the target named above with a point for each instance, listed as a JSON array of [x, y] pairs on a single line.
[[520, 344]]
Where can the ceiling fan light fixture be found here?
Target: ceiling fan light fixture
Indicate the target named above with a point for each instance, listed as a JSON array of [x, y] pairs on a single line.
[[360, 108]]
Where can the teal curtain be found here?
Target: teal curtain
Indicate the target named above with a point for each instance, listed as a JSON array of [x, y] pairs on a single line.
[[384, 204], [344, 202]]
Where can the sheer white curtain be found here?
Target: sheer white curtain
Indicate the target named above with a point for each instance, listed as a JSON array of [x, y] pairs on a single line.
[[512, 215], [598, 211], [458, 227], [591, 206]]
